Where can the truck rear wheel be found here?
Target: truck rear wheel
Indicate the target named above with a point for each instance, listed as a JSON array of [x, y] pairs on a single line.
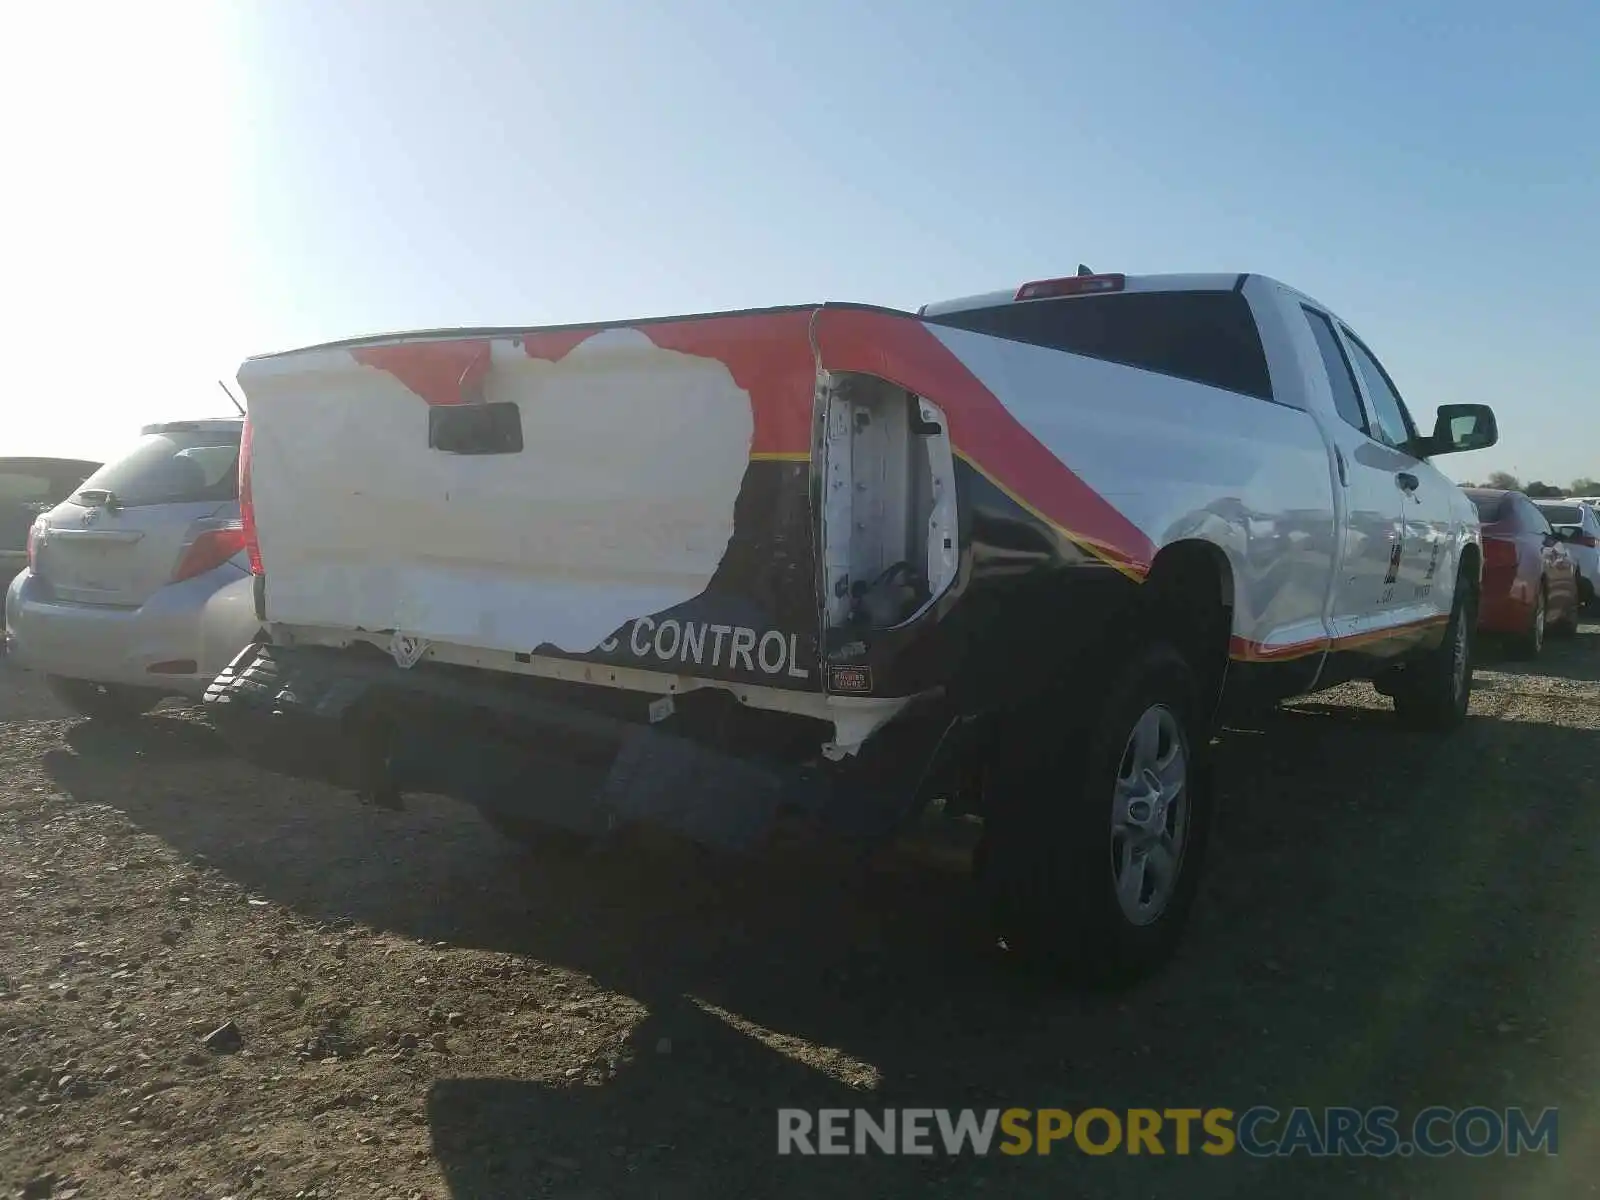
[[108, 702], [1094, 841], [1433, 693]]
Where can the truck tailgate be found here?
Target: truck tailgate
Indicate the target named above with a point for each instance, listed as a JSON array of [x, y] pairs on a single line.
[[639, 493]]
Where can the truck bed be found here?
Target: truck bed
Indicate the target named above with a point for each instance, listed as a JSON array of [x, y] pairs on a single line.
[[661, 474]]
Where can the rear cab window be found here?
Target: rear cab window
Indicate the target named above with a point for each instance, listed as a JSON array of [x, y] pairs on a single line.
[[1207, 337], [173, 466]]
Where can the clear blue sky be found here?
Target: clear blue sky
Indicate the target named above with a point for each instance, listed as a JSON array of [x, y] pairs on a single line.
[[224, 179]]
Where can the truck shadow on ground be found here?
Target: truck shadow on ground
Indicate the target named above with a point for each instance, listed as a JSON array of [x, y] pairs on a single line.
[[151, 741], [1389, 920]]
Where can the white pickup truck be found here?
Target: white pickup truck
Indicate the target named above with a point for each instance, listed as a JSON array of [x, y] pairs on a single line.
[[832, 561]]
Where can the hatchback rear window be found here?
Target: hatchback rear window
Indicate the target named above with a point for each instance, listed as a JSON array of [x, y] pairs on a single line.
[[176, 466], [1207, 337], [1562, 514]]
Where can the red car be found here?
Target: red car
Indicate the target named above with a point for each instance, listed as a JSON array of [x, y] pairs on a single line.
[[1530, 582]]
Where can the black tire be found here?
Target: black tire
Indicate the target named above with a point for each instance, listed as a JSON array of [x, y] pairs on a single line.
[[537, 837], [1048, 859], [1433, 693], [1529, 644], [108, 702]]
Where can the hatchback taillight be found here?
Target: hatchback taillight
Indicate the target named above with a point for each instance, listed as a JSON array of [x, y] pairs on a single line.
[[35, 531], [1584, 539], [210, 548]]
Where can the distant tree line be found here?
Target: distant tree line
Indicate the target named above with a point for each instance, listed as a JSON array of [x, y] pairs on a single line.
[[1538, 489]]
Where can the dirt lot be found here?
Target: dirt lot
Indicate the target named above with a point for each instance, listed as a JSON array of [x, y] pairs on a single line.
[[424, 1012]]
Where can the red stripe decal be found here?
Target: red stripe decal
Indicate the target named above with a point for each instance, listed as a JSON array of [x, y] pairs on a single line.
[[769, 356], [1245, 650], [439, 372], [905, 351], [556, 344]]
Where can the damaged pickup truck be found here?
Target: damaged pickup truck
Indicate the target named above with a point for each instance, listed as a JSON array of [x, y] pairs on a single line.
[[1019, 552]]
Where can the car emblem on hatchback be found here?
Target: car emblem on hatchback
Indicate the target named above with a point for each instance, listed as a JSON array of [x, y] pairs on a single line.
[[90, 516]]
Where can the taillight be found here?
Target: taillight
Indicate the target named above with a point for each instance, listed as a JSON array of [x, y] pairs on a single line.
[[34, 532], [210, 548], [1586, 540], [1499, 553], [247, 506]]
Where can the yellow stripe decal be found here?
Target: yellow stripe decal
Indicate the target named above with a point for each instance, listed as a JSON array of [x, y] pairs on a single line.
[[781, 456]]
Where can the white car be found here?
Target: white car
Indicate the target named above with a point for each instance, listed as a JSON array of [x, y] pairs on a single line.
[[1578, 526], [137, 586]]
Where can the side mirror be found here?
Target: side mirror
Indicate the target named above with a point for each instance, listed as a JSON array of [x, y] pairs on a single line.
[[1462, 427]]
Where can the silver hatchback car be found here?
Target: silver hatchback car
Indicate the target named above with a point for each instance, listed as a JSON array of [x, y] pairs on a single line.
[[138, 587]]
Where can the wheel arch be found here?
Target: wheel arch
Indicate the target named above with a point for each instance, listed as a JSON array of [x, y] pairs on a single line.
[[1190, 596], [1472, 565]]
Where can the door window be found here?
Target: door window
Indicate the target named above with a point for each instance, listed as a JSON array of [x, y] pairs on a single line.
[[1391, 424], [1346, 399]]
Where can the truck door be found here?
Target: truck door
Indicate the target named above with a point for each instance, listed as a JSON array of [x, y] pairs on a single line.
[[1365, 583], [1426, 584]]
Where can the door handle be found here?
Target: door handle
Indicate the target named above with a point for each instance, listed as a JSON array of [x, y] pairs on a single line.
[[1407, 481]]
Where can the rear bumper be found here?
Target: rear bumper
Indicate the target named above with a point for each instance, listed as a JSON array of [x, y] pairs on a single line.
[[496, 741], [1506, 605], [191, 630]]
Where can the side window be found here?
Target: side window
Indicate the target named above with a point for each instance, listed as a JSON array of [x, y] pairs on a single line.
[[1340, 377], [1391, 423]]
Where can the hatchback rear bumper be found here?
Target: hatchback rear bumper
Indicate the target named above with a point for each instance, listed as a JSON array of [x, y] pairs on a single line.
[[178, 640]]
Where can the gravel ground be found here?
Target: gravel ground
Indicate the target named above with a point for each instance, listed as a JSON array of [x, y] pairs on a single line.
[[410, 1008]]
